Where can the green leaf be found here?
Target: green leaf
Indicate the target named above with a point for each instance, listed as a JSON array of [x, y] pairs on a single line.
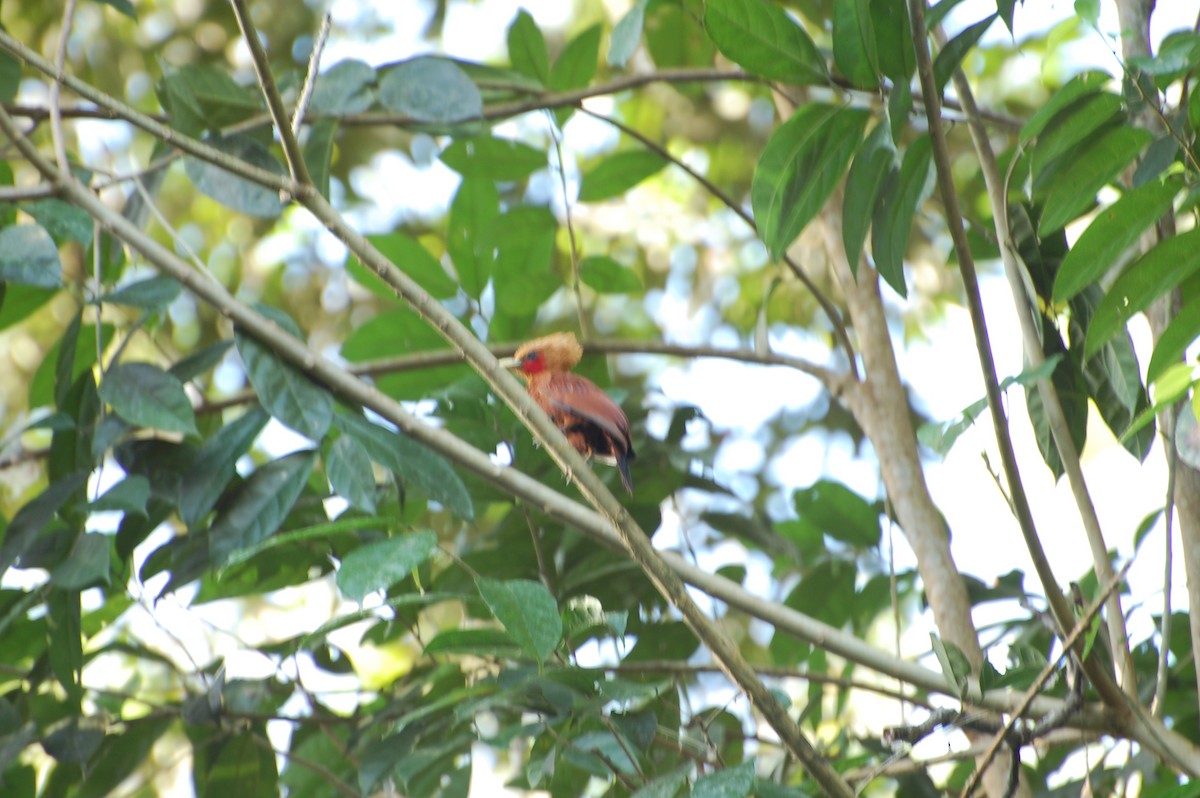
[[894, 41], [1066, 132], [378, 566], [523, 278], [412, 462], [232, 191], [1175, 339], [675, 38], [28, 256], [1110, 235], [216, 463], [665, 786], [800, 167], [1158, 271], [471, 233], [729, 783], [626, 35], [284, 391], [618, 173], [430, 89], [875, 157], [121, 754], [127, 496], [576, 64], [854, 43], [65, 649], [528, 612], [62, 220], [350, 474], [763, 39], [344, 88], [604, 275], [242, 767], [146, 396], [491, 158], [10, 79], [151, 295], [393, 331], [64, 362], [955, 665], [1074, 188], [199, 97], [410, 257], [260, 505], [839, 512], [86, 565], [18, 301], [895, 210], [318, 152], [1081, 85], [527, 48], [1088, 10], [956, 49], [200, 361], [477, 642]]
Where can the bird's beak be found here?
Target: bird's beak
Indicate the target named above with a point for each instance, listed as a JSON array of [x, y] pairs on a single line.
[[509, 362]]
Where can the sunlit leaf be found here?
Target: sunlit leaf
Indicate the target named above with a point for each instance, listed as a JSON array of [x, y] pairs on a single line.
[[761, 37], [1098, 163], [618, 173], [626, 35], [28, 256], [527, 48], [492, 158]]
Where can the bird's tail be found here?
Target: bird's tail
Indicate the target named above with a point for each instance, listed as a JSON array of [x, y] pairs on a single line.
[[626, 477]]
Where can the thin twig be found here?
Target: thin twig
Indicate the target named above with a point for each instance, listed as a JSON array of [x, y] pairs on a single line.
[[310, 77]]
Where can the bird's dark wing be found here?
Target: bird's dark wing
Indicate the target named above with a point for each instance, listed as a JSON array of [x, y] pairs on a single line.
[[571, 393]]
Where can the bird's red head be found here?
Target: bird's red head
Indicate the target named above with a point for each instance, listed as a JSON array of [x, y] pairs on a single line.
[[533, 362], [554, 352]]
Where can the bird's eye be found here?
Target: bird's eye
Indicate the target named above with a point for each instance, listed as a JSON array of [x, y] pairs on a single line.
[[532, 357]]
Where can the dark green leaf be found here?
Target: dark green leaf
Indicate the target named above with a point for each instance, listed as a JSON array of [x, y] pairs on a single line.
[[391, 332], [800, 167], [626, 35], [478, 642], [284, 391], [73, 740], [618, 173], [64, 633], [28, 256], [729, 783], [956, 49], [875, 157], [215, 464], [146, 396], [854, 43], [491, 158], [1072, 395], [430, 89], [471, 233], [1067, 131], [344, 88], [10, 77], [201, 361], [839, 512], [1110, 235], [242, 767], [675, 38], [151, 295], [234, 192], [1079, 86], [763, 39], [378, 566], [86, 565], [64, 362], [604, 275], [350, 474], [527, 48], [123, 752], [411, 462], [528, 612], [1162, 268], [893, 41], [1074, 188], [894, 213], [62, 220], [127, 496], [260, 505]]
